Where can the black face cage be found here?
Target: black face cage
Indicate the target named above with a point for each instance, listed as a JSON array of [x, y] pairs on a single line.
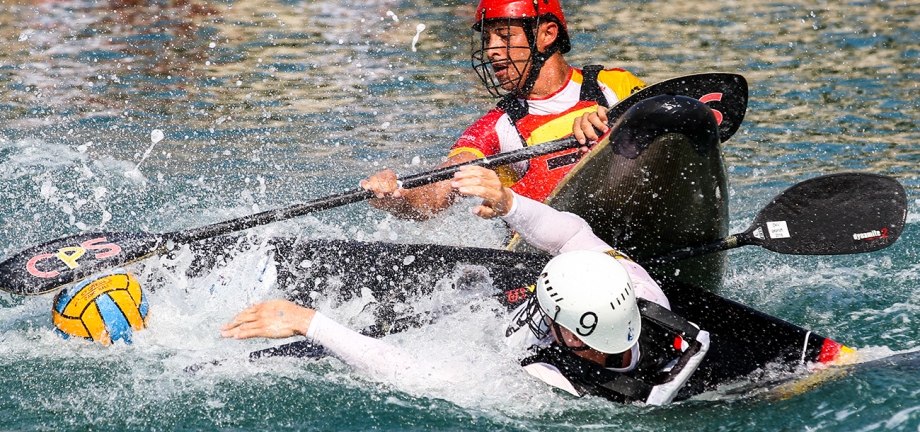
[[482, 63], [533, 317], [539, 323]]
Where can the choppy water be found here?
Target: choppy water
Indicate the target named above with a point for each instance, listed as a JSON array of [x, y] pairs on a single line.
[[269, 103]]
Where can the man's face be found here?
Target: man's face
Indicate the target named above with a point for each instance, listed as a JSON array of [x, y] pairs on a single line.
[[564, 337], [506, 47]]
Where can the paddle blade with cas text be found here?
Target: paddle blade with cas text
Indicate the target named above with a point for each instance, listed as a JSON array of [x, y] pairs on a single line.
[[43, 268]]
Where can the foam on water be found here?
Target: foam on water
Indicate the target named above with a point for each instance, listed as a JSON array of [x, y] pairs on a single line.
[[187, 311]]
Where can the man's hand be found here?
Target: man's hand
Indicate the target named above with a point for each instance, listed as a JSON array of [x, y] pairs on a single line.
[[418, 203], [586, 127], [383, 184], [273, 319], [484, 183]]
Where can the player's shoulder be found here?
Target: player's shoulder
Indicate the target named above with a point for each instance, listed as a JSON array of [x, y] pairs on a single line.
[[480, 136], [621, 81]]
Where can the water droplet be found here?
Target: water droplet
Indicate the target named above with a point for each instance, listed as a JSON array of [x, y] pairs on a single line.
[[418, 31]]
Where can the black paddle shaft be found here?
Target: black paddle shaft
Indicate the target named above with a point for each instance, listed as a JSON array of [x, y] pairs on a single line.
[[43, 268], [835, 214], [359, 194]]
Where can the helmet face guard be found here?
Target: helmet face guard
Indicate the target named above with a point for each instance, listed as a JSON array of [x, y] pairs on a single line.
[[515, 67], [519, 74], [534, 317], [542, 325]]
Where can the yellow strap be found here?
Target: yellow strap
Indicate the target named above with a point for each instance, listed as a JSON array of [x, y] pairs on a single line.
[[617, 255], [472, 150]]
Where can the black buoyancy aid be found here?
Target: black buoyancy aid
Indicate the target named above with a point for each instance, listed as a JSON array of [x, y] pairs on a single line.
[[590, 91], [663, 367]]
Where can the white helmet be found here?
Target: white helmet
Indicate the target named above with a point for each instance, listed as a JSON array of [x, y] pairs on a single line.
[[590, 294]]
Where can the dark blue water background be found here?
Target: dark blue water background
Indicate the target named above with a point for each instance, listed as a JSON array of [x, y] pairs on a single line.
[[264, 104]]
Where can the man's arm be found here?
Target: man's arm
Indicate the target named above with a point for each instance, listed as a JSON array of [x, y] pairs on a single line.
[[540, 225], [281, 319], [543, 226], [418, 203]]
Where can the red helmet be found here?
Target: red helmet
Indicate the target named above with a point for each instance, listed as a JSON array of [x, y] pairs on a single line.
[[523, 9]]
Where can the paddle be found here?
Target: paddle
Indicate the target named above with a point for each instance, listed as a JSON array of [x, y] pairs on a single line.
[[835, 214], [43, 268]]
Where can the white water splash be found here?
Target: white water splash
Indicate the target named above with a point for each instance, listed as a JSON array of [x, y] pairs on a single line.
[[391, 14], [418, 31]]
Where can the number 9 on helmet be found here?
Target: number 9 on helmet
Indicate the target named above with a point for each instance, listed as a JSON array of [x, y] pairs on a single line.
[[104, 309], [591, 295]]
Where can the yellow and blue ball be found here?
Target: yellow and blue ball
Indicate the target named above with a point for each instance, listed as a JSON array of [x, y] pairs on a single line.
[[104, 309]]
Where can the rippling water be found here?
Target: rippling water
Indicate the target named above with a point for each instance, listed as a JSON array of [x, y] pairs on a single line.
[[269, 103]]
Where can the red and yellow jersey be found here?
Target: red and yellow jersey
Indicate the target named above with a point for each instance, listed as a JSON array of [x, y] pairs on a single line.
[[548, 119]]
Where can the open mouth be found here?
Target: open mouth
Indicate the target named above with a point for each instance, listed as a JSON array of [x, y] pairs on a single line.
[[500, 69]]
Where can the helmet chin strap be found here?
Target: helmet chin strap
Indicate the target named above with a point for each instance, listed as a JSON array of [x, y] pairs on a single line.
[[537, 60]]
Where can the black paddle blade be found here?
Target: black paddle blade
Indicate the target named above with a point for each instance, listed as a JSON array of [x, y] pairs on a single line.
[[43, 268], [726, 94], [833, 214]]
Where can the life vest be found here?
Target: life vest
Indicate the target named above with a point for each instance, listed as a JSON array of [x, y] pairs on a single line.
[[545, 172], [671, 348]]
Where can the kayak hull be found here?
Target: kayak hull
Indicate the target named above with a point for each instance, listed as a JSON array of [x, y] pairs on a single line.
[[743, 340]]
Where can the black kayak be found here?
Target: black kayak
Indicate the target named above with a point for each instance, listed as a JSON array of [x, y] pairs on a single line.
[[743, 340]]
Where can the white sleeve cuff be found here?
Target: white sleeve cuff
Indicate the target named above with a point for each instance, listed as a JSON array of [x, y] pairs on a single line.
[[514, 205], [315, 324]]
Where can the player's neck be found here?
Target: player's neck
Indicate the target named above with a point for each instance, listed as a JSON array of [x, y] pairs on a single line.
[[553, 76], [621, 360]]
